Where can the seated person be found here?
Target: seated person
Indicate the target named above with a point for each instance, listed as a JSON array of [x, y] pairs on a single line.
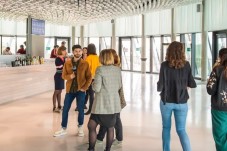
[[21, 50], [54, 52], [7, 51]]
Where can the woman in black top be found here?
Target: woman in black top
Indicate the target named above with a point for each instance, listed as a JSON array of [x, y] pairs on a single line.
[[174, 79], [217, 88], [58, 81]]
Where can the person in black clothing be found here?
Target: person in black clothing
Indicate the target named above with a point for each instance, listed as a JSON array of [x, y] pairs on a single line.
[[174, 78], [217, 88], [58, 81]]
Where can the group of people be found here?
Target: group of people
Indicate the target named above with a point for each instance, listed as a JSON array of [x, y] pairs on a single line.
[[22, 50], [105, 82], [95, 77]]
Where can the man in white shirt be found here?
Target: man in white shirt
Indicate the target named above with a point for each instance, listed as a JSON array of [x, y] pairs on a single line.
[[7, 51]]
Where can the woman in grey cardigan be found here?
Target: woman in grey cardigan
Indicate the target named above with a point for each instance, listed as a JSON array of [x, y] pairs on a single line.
[[106, 85]]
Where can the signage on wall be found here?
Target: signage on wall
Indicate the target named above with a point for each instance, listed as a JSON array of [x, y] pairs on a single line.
[[38, 27]]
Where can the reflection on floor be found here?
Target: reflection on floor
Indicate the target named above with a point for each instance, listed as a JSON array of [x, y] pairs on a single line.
[[28, 124]]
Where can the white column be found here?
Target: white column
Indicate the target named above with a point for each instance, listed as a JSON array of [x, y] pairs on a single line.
[[82, 36], [204, 46], [173, 34], [29, 36], [143, 48], [73, 35], [113, 41]]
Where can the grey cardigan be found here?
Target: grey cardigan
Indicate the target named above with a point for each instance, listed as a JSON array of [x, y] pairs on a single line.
[[106, 85]]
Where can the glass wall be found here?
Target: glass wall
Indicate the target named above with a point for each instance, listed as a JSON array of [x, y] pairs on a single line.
[[148, 55], [126, 54], [105, 43], [95, 41], [156, 48], [188, 47], [198, 54], [77, 40], [209, 53], [167, 39], [9, 42], [49, 45], [178, 38], [85, 41], [20, 41], [136, 51]]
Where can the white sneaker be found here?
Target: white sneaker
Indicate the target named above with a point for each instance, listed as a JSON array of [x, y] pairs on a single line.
[[116, 142], [80, 131], [60, 133]]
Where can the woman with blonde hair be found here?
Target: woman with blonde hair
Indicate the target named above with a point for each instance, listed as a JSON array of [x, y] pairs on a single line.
[[174, 79], [118, 126], [106, 106]]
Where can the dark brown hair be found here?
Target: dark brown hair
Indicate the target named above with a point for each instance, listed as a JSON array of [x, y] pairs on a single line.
[[60, 49], [223, 60], [91, 49], [175, 55]]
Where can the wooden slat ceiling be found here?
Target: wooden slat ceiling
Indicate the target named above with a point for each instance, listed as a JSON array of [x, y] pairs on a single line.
[[82, 11]]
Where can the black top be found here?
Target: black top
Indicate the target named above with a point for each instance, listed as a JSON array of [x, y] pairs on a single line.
[[173, 83], [74, 85], [217, 88], [59, 63]]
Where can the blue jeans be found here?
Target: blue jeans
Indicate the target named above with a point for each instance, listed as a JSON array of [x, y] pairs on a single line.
[[69, 97], [180, 113]]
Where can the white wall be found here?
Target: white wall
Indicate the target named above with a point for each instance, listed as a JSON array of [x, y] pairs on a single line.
[[99, 29], [158, 23], [57, 30], [187, 19], [10, 27], [216, 15], [129, 26]]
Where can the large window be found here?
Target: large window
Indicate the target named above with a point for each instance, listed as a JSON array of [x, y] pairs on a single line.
[[126, 54], [136, 51], [188, 47], [9, 42], [95, 41], [156, 48], [148, 54], [209, 52], [198, 55], [49, 45], [105, 43], [20, 41], [178, 38], [85, 42]]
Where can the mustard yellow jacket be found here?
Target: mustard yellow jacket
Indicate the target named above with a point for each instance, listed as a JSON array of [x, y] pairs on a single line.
[[93, 61]]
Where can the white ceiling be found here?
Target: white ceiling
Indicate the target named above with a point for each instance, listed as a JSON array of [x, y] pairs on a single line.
[[75, 12]]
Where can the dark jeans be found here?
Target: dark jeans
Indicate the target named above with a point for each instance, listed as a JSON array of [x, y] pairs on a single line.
[[118, 130], [91, 93], [69, 97]]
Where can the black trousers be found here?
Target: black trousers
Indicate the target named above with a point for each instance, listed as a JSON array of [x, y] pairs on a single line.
[[91, 94], [118, 130]]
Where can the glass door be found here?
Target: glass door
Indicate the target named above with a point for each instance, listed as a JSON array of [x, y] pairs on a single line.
[[136, 53], [125, 53], [59, 40], [220, 41], [164, 50]]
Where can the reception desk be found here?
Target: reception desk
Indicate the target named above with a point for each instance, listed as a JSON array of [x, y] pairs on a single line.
[[25, 81]]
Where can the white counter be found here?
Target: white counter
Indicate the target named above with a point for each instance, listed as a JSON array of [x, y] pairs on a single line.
[[25, 81]]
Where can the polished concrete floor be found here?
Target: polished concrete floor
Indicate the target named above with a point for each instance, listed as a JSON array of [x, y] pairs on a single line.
[[28, 124]]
